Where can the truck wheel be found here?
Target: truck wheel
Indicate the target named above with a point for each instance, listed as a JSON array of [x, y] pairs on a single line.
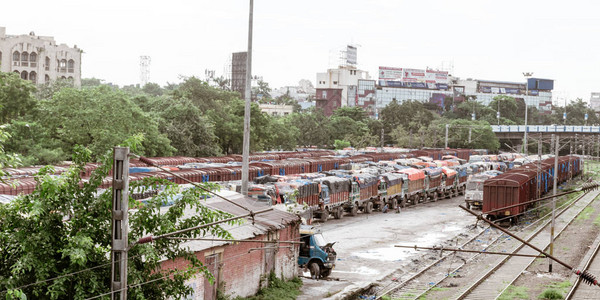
[[324, 215], [315, 270], [368, 207], [354, 210], [325, 272], [434, 196]]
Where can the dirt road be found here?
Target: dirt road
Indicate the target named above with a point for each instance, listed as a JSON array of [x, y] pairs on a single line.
[[365, 244]]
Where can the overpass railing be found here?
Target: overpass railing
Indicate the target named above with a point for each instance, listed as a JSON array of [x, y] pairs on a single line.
[[546, 128]]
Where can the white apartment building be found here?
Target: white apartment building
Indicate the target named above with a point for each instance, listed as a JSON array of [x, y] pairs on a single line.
[[39, 58]]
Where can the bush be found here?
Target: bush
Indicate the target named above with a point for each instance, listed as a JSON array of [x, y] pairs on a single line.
[[551, 294], [279, 289]]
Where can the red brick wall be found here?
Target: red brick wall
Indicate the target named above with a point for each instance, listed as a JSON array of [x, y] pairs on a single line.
[[330, 101], [241, 271]]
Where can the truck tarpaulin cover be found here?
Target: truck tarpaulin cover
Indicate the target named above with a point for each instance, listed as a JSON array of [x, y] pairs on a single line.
[[413, 174], [365, 180], [305, 188], [449, 172], [393, 178], [433, 171], [336, 184]]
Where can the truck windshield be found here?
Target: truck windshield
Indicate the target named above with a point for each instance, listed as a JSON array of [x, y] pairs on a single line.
[[475, 186], [320, 240]]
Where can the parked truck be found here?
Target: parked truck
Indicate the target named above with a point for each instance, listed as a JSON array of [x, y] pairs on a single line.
[[316, 253], [416, 185]]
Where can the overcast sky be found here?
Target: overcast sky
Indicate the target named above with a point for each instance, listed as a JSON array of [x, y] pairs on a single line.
[[293, 40]]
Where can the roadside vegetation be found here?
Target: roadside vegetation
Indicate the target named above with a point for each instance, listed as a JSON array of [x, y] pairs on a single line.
[[277, 289], [199, 118]]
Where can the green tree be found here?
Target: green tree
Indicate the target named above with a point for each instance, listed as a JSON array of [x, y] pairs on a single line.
[[64, 227], [152, 89], [482, 136], [261, 91], [16, 97], [313, 126], [190, 132], [204, 96], [90, 82], [98, 118], [355, 113], [284, 135], [507, 106], [341, 144]]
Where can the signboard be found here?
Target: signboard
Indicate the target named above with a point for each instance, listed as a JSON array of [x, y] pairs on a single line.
[[413, 75], [351, 55], [388, 73]]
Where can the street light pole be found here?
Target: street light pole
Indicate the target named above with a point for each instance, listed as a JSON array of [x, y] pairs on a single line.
[[527, 75]]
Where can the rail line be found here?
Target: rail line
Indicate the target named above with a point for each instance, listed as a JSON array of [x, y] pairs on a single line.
[[591, 264], [433, 264], [409, 290], [419, 290], [505, 271]]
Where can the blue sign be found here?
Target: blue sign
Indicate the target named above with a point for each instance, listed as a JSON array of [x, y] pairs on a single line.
[[486, 89], [586, 117], [564, 116]]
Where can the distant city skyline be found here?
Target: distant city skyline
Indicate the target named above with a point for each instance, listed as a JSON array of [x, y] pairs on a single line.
[[293, 40]]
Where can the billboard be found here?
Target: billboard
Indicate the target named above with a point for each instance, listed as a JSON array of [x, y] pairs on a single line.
[[351, 55], [388, 73], [413, 75]]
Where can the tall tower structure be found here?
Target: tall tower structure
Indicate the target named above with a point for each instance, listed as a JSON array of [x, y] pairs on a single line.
[[144, 69]]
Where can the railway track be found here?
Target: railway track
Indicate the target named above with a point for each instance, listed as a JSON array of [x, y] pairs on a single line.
[[590, 263], [502, 272], [429, 278]]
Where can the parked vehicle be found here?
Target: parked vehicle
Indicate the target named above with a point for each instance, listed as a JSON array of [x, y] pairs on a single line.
[[316, 253]]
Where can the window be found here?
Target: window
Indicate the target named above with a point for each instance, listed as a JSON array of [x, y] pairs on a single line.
[[63, 66], [24, 75], [323, 94], [16, 59], [335, 82], [47, 64], [24, 59], [71, 66], [33, 77], [63, 77], [33, 59], [46, 79]]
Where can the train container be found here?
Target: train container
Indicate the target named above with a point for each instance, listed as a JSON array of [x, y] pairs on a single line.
[[505, 190]]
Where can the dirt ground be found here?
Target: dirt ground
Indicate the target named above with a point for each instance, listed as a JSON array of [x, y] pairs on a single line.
[[570, 247], [365, 244]]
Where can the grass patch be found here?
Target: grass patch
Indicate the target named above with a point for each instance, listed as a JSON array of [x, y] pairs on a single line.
[[556, 288], [514, 292], [585, 214], [278, 289], [439, 289], [551, 294]]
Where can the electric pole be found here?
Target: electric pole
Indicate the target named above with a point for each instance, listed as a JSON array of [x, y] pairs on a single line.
[[555, 177], [120, 224], [248, 96]]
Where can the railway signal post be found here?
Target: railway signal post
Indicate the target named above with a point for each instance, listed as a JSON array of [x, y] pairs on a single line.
[[120, 224]]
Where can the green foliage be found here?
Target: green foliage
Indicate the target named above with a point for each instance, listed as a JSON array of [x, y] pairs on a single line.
[[64, 226], [482, 136], [278, 289], [16, 97], [514, 292], [99, 118], [48, 90], [551, 294], [340, 144], [284, 135], [411, 115]]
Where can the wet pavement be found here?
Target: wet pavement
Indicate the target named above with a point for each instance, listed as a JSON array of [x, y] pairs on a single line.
[[365, 244]]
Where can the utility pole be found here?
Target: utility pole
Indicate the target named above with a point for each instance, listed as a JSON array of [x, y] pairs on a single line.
[[446, 143], [120, 224], [527, 75], [555, 177], [382, 133], [470, 131], [539, 166], [248, 98]]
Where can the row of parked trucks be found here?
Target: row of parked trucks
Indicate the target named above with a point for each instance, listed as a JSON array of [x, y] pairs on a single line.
[[364, 188]]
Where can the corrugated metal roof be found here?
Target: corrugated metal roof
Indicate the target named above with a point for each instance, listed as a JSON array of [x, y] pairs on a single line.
[[263, 223]]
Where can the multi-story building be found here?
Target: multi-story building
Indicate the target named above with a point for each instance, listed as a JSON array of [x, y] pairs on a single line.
[[345, 78], [595, 102], [238, 72], [39, 58]]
